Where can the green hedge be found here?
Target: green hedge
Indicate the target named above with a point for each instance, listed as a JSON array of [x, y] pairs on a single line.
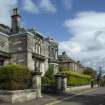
[[14, 77], [76, 79]]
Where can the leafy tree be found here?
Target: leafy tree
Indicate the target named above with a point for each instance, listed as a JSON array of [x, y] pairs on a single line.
[[99, 75], [90, 71], [32, 30], [49, 79]]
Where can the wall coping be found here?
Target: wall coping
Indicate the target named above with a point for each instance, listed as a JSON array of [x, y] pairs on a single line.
[[11, 92]]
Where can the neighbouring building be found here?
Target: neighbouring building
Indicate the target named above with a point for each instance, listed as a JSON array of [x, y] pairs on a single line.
[[67, 62], [26, 46]]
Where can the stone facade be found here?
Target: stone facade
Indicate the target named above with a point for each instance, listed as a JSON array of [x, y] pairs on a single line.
[[18, 49], [53, 53], [25, 46]]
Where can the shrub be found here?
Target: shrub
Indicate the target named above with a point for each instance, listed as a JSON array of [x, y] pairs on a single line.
[[48, 79], [14, 77], [75, 79], [90, 71]]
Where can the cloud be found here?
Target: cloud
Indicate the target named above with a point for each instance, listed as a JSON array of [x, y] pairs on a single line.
[[5, 10], [41, 6], [88, 41], [47, 6], [30, 6], [68, 3]]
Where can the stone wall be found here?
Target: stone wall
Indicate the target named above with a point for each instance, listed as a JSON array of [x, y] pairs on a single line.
[[30, 61], [18, 48], [19, 58], [76, 88], [17, 96], [18, 43]]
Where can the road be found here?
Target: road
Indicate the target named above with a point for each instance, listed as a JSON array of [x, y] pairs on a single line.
[[93, 97]]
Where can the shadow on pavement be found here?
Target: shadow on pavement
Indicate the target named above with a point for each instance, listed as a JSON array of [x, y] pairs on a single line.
[[95, 99]]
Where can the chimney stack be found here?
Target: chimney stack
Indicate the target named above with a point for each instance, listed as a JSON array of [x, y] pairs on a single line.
[[15, 19]]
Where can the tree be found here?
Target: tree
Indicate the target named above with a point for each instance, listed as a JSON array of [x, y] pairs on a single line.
[[32, 30], [49, 79], [90, 71], [99, 77]]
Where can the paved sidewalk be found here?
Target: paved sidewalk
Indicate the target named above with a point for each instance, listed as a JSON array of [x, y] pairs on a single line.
[[44, 100], [41, 101]]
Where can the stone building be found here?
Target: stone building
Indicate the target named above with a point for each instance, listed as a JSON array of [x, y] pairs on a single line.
[[28, 47], [31, 48], [66, 62], [4, 49]]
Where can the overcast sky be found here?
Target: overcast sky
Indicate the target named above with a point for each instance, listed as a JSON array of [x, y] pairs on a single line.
[[78, 25]]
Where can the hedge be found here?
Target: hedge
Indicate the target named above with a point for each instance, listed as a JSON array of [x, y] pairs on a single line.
[[76, 79], [15, 77]]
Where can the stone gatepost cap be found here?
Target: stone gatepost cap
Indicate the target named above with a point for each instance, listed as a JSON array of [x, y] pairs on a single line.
[[61, 75], [36, 73]]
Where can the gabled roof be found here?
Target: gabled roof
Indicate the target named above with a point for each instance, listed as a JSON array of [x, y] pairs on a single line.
[[5, 29], [4, 54]]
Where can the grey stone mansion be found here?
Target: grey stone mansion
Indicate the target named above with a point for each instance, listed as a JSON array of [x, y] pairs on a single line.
[[29, 47], [26, 46]]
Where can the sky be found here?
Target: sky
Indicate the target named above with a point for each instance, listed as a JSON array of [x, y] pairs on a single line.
[[78, 25]]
